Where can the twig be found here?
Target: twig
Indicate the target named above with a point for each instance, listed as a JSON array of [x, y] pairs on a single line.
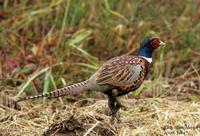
[[89, 130]]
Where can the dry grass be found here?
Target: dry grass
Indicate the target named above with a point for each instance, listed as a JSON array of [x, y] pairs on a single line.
[[169, 112], [158, 116]]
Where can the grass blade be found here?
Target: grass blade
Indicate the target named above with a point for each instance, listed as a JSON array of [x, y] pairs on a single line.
[[33, 76]]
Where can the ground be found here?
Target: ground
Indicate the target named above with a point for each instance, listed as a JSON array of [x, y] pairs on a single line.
[[158, 116]]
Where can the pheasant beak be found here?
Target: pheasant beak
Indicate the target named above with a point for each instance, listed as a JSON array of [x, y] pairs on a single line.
[[162, 43]]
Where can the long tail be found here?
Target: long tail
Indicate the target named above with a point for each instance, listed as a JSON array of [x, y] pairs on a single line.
[[72, 89]]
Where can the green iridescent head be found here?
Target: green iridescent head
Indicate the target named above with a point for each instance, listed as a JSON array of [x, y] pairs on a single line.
[[148, 46]]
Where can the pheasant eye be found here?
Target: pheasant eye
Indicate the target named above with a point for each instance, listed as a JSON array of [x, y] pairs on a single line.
[[155, 43]]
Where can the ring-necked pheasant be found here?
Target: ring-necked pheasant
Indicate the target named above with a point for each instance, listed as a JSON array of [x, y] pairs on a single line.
[[116, 77]]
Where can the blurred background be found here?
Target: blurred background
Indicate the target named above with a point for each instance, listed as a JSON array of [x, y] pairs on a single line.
[[48, 44], [82, 34]]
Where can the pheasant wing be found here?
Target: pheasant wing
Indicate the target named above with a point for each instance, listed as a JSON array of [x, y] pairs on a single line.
[[121, 72]]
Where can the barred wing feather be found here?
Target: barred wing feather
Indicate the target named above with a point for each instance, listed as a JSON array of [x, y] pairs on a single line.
[[118, 73]]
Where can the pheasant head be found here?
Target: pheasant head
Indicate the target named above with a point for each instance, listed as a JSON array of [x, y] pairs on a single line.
[[148, 46]]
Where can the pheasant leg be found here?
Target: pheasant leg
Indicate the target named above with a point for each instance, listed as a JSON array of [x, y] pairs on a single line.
[[119, 104], [114, 107], [114, 104]]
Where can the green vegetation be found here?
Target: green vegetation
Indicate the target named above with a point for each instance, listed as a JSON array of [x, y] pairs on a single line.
[[47, 44]]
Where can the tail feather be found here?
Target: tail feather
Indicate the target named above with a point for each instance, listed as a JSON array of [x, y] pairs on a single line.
[[72, 89]]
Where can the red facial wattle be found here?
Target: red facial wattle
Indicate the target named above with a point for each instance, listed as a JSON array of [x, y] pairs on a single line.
[[155, 43]]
